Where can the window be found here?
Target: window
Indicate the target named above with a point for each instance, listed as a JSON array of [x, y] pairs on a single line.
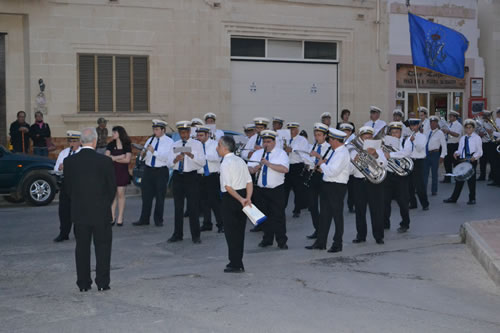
[[320, 50], [113, 83], [248, 47]]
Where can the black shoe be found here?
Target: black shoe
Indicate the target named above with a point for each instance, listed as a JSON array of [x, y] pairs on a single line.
[[357, 240], [402, 230], [492, 184], [121, 224], [159, 224], [481, 178], [387, 227], [220, 230], [85, 289], [315, 246], [103, 288], [379, 241], [449, 200], [471, 202], [206, 228], [425, 208], [351, 210], [446, 181], [256, 229], [139, 223], [283, 247], [314, 235], [186, 214], [296, 215], [264, 244], [197, 240], [434, 194], [113, 223], [174, 239], [60, 238], [234, 270], [412, 207], [335, 248]]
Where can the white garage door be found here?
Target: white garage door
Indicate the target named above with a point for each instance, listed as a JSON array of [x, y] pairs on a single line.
[[295, 91]]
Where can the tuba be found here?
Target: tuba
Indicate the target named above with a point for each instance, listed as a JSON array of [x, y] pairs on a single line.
[[366, 163], [400, 166], [493, 124]]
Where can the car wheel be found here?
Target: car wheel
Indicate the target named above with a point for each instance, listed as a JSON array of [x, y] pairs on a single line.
[[12, 199], [39, 189]]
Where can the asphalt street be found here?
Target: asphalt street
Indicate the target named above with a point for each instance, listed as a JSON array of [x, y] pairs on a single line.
[[422, 281]]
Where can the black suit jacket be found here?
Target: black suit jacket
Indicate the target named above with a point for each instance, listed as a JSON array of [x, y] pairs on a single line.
[[90, 184]]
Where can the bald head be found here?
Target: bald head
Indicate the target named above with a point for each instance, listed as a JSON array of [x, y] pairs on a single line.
[[89, 137]]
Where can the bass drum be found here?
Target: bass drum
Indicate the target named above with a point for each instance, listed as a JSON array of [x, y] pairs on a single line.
[[463, 171], [138, 171]]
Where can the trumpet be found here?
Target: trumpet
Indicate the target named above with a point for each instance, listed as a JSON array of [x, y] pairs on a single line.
[[366, 163]]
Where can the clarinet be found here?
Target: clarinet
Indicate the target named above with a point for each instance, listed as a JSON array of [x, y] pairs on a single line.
[[146, 147], [307, 182], [257, 174], [305, 170]]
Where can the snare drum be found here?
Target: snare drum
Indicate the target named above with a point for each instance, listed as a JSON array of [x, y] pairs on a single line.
[[463, 171]]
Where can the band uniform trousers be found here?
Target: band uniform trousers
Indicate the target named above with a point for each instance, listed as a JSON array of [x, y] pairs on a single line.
[[350, 191], [495, 168], [64, 214], [295, 181], [449, 160], [471, 183], [153, 186], [234, 227], [101, 234], [210, 199], [331, 206], [271, 201], [416, 184], [366, 193], [313, 193], [432, 164], [486, 158], [396, 187], [186, 186]]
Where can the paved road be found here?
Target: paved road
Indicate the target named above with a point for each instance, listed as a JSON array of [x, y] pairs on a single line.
[[424, 281]]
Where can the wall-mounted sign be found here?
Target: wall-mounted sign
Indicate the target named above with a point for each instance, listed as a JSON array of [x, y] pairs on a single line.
[[405, 78], [476, 87]]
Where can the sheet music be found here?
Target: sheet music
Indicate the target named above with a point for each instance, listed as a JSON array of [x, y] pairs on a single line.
[[185, 149], [375, 144], [254, 214], [392, 141]]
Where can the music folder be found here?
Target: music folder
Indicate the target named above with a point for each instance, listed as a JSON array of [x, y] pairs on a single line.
[[254, 214], [185, 149]]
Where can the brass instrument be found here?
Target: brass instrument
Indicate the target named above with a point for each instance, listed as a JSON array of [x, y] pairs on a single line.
[[492, 123], [480, 129], [366, 163], [400, 166]]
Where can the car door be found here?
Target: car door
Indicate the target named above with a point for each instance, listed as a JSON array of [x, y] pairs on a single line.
[[10, 170]]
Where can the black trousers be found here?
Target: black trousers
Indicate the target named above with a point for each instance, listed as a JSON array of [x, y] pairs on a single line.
[[102, 236], [210, 199], [331, 206], [417, 184], [186, 186], [294, 180], [366, 193], [153, 186], [495, 166], [449, 160], [471, 183], [313, 193], [396, 187], [64, 214], [234, 228], [271, 201], [350, 190], [486, 158]]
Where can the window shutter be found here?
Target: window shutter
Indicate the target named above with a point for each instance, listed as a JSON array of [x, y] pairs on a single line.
[[122, 84], [105, 83], [87, 84], [140, 84]]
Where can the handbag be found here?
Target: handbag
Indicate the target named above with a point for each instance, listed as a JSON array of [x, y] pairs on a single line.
[[138, 171]]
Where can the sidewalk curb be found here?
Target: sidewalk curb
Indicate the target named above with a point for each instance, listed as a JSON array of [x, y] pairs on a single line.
[[481, 250]]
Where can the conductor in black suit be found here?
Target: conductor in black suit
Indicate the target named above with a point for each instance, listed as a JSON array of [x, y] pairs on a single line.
[[89, 183]]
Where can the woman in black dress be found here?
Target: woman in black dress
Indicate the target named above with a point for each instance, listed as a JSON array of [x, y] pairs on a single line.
[[120, 151]]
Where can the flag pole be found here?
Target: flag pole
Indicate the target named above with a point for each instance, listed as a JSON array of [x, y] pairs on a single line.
[[414, 67]]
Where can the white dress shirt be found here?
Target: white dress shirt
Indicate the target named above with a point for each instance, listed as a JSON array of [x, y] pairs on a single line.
[[249, 147], [475, 146], [161, 153], [497, 121], [404, 150], [234, 173], [218, 134], [299, 146], [350, 138], [406, 132], [381, 160], [336, 169], [211, 157], [63, 154], [276, 156], [455, 127], [311, 160], [437, 140], [426, 126], [189, 164], [376, 125], [417, 147]]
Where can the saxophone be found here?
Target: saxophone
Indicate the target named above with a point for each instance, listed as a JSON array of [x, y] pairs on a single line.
[[366, 163]]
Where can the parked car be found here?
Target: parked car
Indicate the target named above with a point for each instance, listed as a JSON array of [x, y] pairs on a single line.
[[26, 178]]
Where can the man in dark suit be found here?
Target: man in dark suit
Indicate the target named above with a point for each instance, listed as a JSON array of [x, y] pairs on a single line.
[[89, 183]]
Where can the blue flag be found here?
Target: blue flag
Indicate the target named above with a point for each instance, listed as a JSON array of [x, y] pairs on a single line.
[[437, 47]]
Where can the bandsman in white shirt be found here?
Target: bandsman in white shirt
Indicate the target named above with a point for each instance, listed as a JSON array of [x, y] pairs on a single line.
[[496, 155], [436, 150], [336, 171], [210, 119], [367, 193], [313, 175], [453, 134], [396, 186], [348, 129], [297, 149], [326, 118], [249, 130], [418, 143], [270, 165], [64, 204], [470, 149], [278, 123], [155, 179], [209, 182], [255, 142], [195, 123], [185, 181], [375, 122], [398, 115], [237, 188], [485, 131], [425, 126]]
